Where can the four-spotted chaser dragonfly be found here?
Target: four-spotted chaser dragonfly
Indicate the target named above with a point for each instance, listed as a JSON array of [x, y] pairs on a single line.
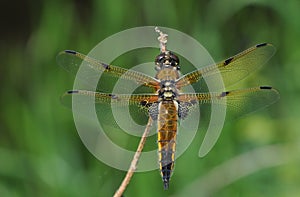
[[168, 104]]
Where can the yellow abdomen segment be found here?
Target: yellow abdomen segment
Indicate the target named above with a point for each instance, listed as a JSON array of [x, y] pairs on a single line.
[[167, 128]]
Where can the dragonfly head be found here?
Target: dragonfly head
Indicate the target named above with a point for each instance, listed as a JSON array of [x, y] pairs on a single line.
[[166, 59]]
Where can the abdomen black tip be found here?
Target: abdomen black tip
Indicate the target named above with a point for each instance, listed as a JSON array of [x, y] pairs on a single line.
[[166, 185]]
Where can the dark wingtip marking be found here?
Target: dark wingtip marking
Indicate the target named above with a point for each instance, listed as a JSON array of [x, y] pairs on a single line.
[[261, 45], [228, 61], [71, 51], [265, 87], [72, 91]]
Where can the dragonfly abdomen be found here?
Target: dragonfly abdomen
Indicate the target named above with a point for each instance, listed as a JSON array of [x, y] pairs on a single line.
[[167, 130]]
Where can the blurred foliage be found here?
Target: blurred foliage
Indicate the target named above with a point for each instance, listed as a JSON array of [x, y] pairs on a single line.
[[40, 151]]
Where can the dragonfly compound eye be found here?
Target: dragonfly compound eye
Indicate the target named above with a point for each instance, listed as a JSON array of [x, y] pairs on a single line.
[[174, 60], [160, 59]]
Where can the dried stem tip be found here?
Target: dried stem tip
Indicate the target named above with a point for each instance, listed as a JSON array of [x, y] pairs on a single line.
[[163, 39]]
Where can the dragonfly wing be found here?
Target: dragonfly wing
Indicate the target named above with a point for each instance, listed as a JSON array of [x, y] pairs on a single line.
[[72, 60], [232, 69], [85, 97], [238, 102]]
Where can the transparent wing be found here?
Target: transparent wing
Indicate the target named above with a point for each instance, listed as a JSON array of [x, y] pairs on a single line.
[[99, 98], [234, 68], [72, 60], [238, 102]]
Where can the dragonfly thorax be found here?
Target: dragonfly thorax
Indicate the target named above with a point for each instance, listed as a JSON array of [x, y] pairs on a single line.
[[167, 67], [168, 90]]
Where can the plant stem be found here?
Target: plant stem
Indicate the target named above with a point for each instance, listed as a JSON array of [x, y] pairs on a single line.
[[134, 161]]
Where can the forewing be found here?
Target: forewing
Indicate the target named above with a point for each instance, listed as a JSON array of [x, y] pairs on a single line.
[[72, 60], [232, 69]]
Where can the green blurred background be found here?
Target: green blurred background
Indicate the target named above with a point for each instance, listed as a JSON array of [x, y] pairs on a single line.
[[40, 151]]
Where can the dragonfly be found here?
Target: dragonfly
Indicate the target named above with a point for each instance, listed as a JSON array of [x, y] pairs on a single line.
[[168, 104]]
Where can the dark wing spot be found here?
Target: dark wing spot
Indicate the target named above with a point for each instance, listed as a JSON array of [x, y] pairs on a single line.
[[265, 87], [106, 66], [143, 103], [226, 62], [113, 96], [223, 94], [70, 51], [72, 91], [261, 45]]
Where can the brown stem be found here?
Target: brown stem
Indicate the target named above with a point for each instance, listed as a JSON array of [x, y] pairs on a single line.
[[134, 161]]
